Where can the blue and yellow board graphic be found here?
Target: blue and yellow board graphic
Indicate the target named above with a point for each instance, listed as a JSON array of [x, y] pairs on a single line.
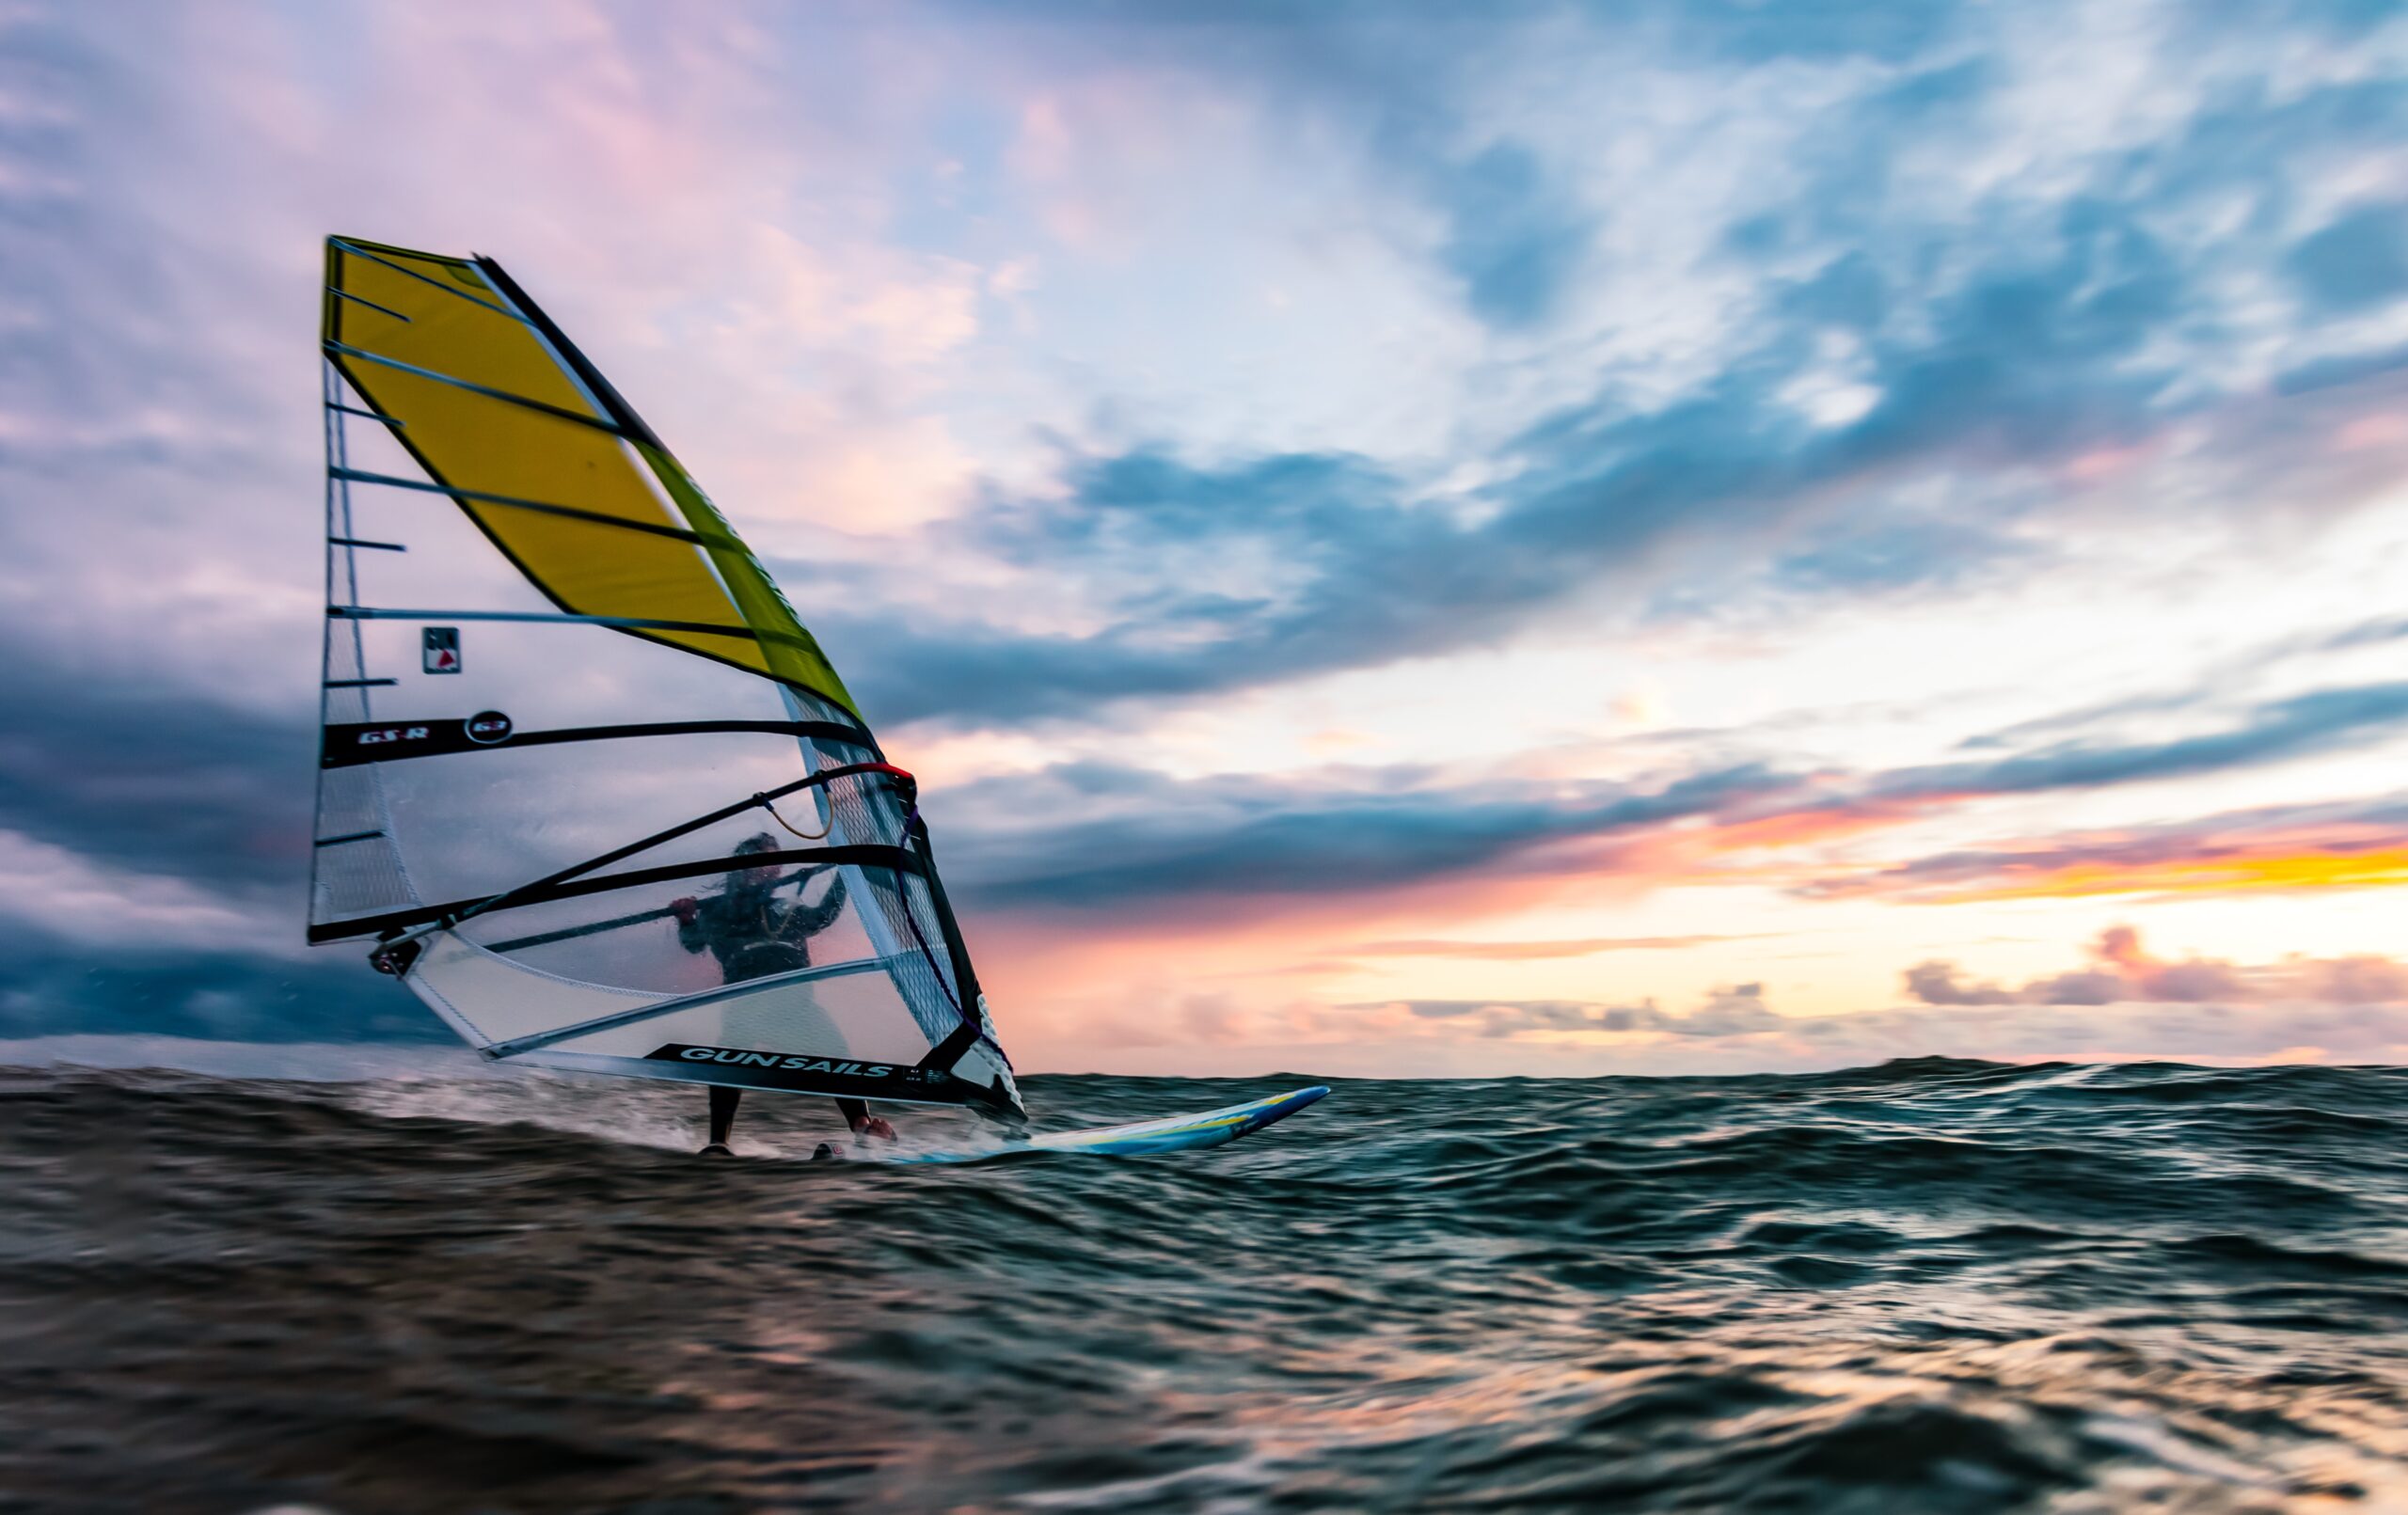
[[1171, 1133]]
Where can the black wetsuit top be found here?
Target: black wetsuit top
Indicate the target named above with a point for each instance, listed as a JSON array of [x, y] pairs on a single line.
[[753, 934]]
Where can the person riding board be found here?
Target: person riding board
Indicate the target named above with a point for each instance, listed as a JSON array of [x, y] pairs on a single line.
[[753, 936]]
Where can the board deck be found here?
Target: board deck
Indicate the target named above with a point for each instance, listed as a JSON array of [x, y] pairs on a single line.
[[1171, 1133]]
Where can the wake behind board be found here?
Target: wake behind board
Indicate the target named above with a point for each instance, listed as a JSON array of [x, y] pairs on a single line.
[[1171, 1133]]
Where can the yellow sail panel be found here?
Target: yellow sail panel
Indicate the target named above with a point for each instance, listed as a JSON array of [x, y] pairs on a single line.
[[457, 324], [495, 411], [794, 657]]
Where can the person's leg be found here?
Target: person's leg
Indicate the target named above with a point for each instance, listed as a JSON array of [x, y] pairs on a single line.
[[861, 1122], [724, 1101]]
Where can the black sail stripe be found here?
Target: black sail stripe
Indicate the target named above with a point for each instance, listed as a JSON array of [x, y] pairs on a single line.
[[388, 741]]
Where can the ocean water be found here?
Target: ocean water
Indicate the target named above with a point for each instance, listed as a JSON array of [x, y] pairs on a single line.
[[1930, 1285]]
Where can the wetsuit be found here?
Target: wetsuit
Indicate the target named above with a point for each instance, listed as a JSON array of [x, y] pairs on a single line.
[[752, 935]]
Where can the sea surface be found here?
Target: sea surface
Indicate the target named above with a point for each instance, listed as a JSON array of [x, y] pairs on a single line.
[[1930, 1285]]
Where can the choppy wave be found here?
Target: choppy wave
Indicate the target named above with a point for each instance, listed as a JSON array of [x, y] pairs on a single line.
[[1927, 1285]]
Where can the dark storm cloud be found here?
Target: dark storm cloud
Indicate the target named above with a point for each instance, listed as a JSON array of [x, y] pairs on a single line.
[[153, 776], [54, 988]]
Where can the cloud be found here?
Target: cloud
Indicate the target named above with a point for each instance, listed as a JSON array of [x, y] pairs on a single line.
[[1902, 552], [1201, 579], [1120, 839], [2283, 1033], [2320, 721], [50, 987], [151, 774], [1653, 317], [2122, 972], [2212, 683], [1936, 982], [2038, 322], [1511, 239], [1526, 950], [1736, 1011], [1736, 1031], [2357, 260], [2340, 844], [60, 893]]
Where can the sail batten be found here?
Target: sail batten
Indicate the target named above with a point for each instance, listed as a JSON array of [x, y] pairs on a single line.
[[489, 820], [484, 498]]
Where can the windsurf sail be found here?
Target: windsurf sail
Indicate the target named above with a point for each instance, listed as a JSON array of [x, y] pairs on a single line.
[[584, 780]]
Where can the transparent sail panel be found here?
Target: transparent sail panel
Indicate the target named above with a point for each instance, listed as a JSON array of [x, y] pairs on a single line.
[[683, 938], [355, 867]]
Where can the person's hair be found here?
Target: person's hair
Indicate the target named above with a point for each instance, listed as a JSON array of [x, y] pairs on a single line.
[[733, 881]]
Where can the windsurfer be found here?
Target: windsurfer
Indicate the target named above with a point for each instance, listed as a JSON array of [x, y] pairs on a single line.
[[753, 936]]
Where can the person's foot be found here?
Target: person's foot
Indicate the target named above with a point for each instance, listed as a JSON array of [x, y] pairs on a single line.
[[874, 1126], [716, 1149], [824, 1152]]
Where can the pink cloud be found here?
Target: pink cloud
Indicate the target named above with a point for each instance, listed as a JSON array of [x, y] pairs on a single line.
[[2122, 972]]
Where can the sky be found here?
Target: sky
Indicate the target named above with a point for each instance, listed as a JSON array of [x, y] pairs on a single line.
[[1400, 540]]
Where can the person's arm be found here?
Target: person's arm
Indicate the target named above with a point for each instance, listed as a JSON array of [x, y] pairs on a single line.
[[690, 926], [807, 920]]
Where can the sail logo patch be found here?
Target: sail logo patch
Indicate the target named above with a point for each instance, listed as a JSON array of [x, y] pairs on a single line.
[[442, 649], [488, 727], [741, 1057], [394, 734]]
